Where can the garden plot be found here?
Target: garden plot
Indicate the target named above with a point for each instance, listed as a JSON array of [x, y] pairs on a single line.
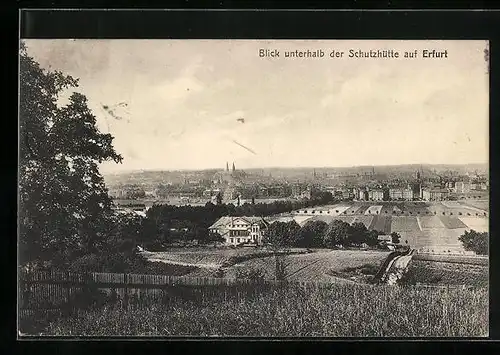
[[338, 210], [404, 224], [373, 210], [430, 222], [381, 223], [452, 222], [328, 219], [451, 204], [481, 205], [353, 210], [362, 209], [441, 238], [366, 220], [476, 223], [301, 220]]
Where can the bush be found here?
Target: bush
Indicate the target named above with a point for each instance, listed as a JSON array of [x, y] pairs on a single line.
[[253, 274], [476, 242], [132, 263]]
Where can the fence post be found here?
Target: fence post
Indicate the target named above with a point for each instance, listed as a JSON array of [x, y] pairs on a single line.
[[26, 288], [68, 294], [125, 290]]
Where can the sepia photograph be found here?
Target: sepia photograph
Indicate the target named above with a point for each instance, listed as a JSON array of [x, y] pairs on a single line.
[[253, 188]]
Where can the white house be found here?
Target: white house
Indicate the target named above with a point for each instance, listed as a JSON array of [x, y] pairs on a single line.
[[238, 230]]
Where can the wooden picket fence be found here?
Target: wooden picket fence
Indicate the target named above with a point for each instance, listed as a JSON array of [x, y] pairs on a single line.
[[57, 292]]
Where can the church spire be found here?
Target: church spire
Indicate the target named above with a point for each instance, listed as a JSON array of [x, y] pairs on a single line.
[[233, 167], [227, 166]]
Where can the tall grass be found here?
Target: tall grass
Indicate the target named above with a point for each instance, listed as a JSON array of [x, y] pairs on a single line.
[[330, 311]]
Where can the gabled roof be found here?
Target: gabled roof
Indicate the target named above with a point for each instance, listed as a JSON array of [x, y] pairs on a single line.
[[227, 219], [221, 222]]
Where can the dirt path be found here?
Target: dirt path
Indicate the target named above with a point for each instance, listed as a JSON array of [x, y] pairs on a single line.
[[174, 262]]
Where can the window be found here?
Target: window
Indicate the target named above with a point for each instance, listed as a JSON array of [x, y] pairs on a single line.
[[320, 211], [444, 213], [336, 211], [238, 240], [231, 240]]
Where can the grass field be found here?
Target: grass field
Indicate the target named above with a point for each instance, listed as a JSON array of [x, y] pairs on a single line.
[[446, 273], [337, 310], [211, 257], [316, 266]]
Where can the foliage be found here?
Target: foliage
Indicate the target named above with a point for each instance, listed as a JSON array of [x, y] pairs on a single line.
[[281, 234], [475, 241], [163, 218], [445, 274], [60, 148], [219, 198], [336, 310], [396, 237], [311, 234], [337, 233], [219, 273], [280, 273], [253, 274], [215, 237]]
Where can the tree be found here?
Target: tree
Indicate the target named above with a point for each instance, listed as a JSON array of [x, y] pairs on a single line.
[[311, 234], [255, 275], [372, 238], [475, 241], [64, 207], [357, 233], [215, 237], [337, 233], [218, 198], [396, 237], [281, 234]]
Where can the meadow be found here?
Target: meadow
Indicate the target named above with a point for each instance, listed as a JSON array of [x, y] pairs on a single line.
[[335, 310], [446, 273], [317, 266], [208, 257]]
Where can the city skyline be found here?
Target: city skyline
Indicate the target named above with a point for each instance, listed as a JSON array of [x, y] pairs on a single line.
[[193, 105]]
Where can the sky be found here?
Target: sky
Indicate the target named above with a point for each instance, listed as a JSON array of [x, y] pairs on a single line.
[[196, 104]]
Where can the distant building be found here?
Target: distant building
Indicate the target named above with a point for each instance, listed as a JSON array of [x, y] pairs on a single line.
[[239, 230], [435, 194], [376, 195], [462, 187], [401, 194], [209, 193]]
